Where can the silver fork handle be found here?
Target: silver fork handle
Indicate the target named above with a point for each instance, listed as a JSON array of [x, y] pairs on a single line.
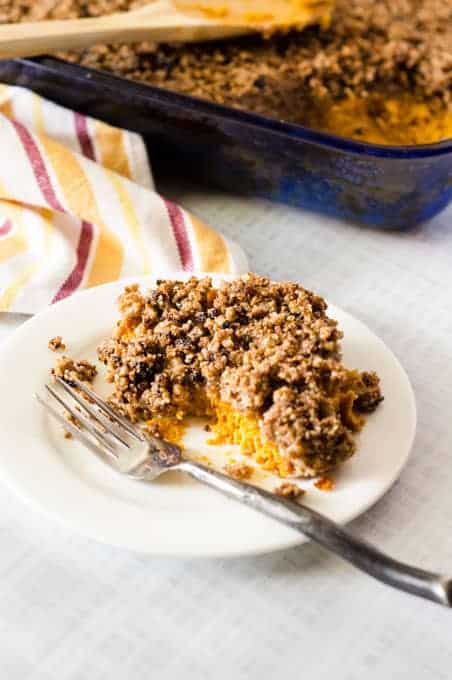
[[330, 535]]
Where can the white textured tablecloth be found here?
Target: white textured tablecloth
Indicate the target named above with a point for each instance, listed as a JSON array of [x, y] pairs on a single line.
[[71, 609]]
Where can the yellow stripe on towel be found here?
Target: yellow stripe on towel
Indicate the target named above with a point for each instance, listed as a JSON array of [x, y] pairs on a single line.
[[211, 247]]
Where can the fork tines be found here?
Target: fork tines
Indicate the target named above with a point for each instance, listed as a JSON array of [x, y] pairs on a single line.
[[89, 418]]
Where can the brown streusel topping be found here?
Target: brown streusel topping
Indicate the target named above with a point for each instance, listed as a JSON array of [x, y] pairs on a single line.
[[12, 11], [69, 370], [266, 348]]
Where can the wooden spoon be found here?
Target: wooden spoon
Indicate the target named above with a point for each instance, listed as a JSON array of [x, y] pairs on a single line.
[[162, 21]]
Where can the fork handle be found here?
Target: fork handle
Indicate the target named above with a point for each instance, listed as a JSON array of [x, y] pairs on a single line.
[[330, 535]]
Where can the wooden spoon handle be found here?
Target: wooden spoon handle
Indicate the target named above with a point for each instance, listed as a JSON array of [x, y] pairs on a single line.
[[31, 39]]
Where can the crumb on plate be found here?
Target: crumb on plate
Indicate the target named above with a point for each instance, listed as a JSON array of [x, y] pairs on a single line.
[[56, 343], [324, 484], [289, 490], [70, 369], [238, 470], [72, 419]]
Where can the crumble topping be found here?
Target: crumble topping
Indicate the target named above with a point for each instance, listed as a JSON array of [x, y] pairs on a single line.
[[266, 349], [56, 344], [396, 44], [12, 11], [70, 370]]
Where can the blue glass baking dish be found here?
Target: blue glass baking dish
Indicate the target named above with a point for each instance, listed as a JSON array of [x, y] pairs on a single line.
[[386, 186]]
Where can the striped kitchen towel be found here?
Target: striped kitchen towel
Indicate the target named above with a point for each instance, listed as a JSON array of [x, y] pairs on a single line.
[[78, 208]]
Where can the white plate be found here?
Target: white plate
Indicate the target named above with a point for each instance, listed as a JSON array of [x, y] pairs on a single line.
[[175, 516]]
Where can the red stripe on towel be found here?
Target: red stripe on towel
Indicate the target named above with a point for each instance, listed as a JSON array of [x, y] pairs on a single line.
[[38, 165], [6, 228], [181, 235], [84, 137], [75, 278]]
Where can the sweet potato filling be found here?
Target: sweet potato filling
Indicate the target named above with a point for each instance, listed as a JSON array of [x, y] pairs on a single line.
[[384, 120], [167, 428], [229, 426], [232, 427], [277, 14]]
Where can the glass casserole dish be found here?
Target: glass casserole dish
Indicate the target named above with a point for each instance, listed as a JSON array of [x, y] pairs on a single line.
[[388, 186]]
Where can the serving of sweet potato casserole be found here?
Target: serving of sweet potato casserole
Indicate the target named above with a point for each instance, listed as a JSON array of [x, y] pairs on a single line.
[[260, 359]]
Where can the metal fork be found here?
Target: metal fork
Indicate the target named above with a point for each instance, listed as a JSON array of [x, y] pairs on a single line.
[[125, 447]]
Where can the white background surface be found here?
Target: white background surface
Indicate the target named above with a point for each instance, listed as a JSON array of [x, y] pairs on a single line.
[[72, 609]]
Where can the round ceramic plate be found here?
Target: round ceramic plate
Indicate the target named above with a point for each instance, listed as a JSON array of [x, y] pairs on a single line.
[[176, 515]]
